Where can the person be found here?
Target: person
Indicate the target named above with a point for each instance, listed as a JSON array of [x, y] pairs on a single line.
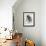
[[18, 40], [28, 19]]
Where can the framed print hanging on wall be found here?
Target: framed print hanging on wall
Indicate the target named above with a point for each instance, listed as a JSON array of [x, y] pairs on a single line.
[[28, 19]]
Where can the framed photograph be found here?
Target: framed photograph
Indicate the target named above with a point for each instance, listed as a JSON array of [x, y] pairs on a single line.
[[28, 19]]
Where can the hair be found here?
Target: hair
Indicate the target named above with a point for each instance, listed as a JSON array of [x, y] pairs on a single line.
[[29, 18]]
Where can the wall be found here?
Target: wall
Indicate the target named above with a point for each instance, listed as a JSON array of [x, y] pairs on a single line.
[[6, 13], [43, 22], [32, 33]]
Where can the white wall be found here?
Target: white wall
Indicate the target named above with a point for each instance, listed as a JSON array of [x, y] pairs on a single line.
[[6, 13], [43, 22], [32, 33]]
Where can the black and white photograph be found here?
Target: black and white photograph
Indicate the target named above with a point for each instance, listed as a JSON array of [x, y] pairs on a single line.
[[28, 19]]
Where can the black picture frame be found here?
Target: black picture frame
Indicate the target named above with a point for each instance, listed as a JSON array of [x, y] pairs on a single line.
[[28, 19]]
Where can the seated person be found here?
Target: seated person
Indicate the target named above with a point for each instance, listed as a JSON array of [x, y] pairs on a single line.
[[18, 40]]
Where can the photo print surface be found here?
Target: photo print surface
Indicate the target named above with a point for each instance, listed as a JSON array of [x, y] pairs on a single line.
[[28, 18]]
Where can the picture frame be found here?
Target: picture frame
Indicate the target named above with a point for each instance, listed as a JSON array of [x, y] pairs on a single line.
[[28, 19]]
